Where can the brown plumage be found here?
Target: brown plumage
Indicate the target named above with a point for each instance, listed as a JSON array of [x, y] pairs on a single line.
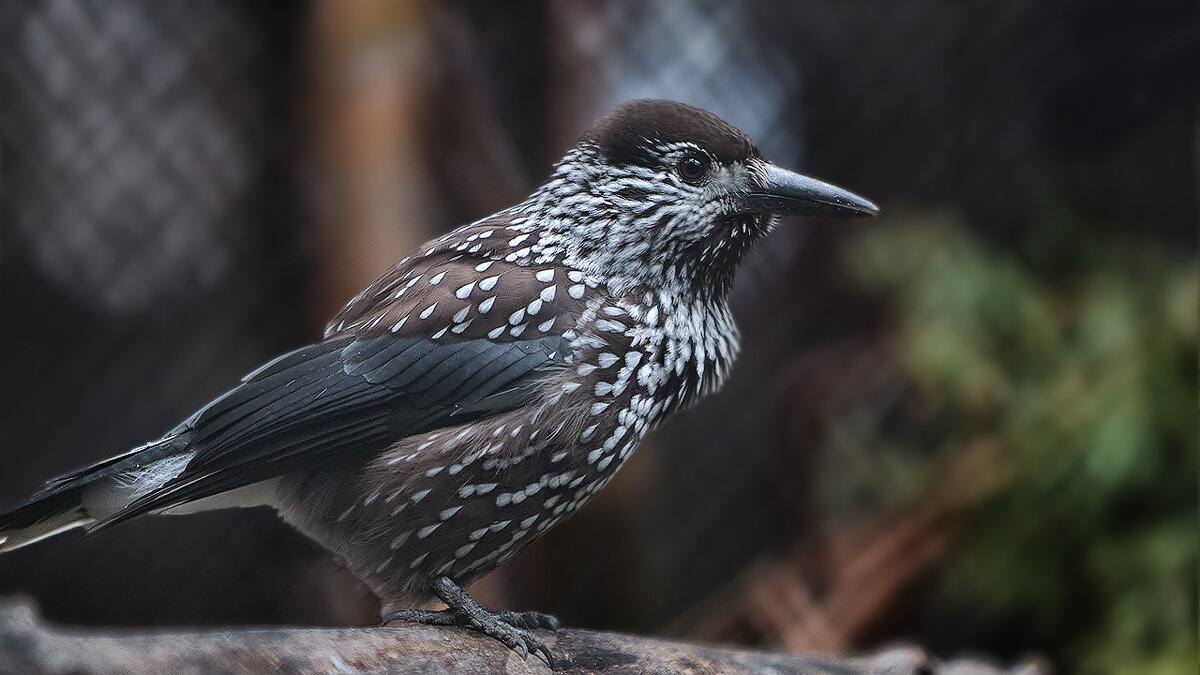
[[491, 383]]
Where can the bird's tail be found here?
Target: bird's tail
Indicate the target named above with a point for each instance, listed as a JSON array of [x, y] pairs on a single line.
[[88, 497]]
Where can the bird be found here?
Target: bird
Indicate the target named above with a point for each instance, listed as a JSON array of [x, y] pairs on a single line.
[[489, 384]]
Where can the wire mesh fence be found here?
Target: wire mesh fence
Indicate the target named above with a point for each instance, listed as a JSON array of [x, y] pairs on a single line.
[[154, 250]]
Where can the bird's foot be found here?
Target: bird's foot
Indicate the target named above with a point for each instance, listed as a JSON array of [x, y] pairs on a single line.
[[513, 629], [451, 617]]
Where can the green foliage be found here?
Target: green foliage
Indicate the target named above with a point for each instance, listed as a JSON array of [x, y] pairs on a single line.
[[1085, 382]]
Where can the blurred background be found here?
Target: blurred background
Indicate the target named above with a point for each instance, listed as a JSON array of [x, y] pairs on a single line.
[[968, 424]]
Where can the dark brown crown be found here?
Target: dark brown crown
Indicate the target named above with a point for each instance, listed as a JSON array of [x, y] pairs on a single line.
[[629, 134]]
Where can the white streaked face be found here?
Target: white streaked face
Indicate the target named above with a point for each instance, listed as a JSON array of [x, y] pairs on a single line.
[[676, 216]]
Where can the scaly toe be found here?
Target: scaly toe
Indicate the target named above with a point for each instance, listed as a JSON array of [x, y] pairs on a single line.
[[545, 621], [516, 638], [426, 617], [530, 620]]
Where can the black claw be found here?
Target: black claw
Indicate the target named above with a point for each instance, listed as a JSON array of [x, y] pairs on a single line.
[[545, 651]]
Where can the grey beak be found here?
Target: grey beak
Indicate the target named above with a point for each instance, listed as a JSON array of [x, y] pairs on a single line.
[[789, 193]]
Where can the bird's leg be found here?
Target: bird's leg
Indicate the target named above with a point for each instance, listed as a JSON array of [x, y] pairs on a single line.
[[513, 629]]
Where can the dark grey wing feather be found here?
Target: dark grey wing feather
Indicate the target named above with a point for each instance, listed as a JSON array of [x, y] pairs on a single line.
[[379, 360], [349, 395]]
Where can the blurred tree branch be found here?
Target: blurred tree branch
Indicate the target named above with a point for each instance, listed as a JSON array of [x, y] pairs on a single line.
[[866, 568], [26, 645]]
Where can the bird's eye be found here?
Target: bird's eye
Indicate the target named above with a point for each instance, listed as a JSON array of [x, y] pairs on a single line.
[[692, 168]]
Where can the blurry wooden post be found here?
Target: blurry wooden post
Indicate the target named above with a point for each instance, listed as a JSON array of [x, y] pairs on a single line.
[[367, 61], [365, 95]]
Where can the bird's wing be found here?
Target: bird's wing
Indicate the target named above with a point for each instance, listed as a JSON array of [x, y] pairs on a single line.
[[441, 340]]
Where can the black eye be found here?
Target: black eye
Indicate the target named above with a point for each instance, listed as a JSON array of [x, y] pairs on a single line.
[[692, 168]]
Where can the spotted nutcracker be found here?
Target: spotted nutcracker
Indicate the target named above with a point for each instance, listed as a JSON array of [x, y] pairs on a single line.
[[490, 383]]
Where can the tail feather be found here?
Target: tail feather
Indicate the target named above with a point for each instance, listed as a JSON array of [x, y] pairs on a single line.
[[12, 538], [83, 498]]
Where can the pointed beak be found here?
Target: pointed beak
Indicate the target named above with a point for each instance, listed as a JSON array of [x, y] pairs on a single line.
[[789, 193]]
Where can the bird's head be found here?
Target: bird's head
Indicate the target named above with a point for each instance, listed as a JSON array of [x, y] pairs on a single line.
[[658, 192]]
